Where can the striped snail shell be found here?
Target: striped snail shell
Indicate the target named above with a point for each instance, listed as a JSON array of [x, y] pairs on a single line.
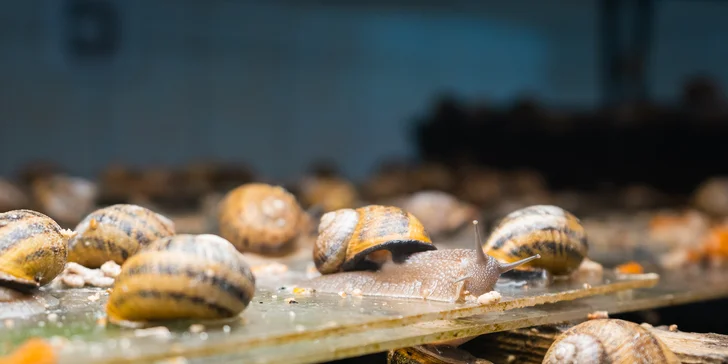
[[554, 233], [32, 249], [354, 239], [609, 341], [115, 233], [196, 277], [261, 218]]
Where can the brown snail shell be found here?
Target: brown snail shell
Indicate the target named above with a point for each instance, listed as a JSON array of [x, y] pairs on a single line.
[[261, 218], [609, 341], [550, 231], [116, 233], [32, 249], [198, 277], [351, 239]]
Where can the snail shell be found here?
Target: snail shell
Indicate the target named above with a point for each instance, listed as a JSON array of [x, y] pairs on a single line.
[[116, 233], [260, 218], [448, 275], [608, 341], [182, 277], [550, 231], [32, 249], [353, 239]]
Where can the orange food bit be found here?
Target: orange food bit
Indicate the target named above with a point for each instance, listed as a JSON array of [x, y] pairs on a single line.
[[630, 268], [33, 351], [716, 243]]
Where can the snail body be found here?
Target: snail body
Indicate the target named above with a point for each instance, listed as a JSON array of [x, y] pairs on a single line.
[[609, 341], [261, 218], [417, 270], [32, 249], [554, 233], [182, 277], [116, 233], [357, 239]]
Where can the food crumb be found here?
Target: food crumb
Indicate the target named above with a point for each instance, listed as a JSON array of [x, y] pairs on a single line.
[[94, 297], [153, 331], [111, 269], [511, 358], [101, 321], [534, 330], [52, 317], [197, 328], [342, 294], [630, 267], [291, 300], [672, 328], [490, 297], [587, 286], [303, 291], [597, 315]]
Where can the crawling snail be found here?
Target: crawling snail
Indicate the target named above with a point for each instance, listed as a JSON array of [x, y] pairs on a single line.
[[261, 218], [550, 231], [115, 233], [182, 277], [609, 341], [32, 249], [418, 270]]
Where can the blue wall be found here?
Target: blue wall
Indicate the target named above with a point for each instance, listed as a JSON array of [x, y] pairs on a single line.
[[279, 86]]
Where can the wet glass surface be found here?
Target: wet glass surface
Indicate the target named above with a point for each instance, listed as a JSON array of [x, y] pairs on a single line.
[[74, 319]]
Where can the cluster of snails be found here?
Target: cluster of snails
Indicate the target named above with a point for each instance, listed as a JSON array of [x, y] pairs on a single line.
[[385, 251], [163, 275]]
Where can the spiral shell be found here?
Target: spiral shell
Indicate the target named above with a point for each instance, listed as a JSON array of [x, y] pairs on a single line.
[[197, 277], [348, 238], [32, 249], [609, 341], [550, 231], [260, 218], [116, 233]]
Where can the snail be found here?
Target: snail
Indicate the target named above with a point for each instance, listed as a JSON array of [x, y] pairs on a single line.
[[196, 277], [261, 218], [32, 249], [550, 231], [115, 233], [449, 275], [608, 341], [358, 239]]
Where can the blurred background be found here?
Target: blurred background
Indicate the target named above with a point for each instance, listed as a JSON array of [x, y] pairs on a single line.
[[279, 85]]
